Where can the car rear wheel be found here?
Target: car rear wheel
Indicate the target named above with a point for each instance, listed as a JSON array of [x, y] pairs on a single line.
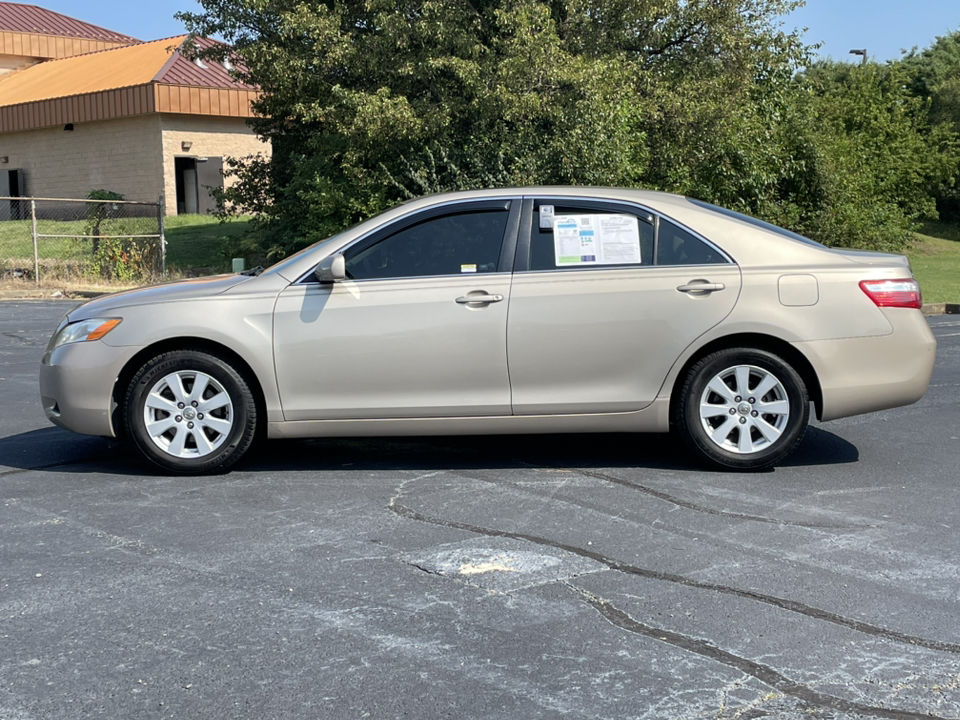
[[742, 409], [190, 412]]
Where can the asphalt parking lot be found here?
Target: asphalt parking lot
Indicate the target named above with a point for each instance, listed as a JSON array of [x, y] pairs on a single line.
[[522, 577]]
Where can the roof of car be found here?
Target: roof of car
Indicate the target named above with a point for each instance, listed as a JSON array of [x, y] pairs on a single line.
[[572, 191]]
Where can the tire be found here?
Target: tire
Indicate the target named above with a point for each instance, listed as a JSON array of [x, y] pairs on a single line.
[[720, 415], [190, 412]]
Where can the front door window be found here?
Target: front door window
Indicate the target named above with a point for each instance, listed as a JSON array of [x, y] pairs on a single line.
[[458, 244]]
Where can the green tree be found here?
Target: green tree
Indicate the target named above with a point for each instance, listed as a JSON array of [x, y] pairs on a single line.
[[934, 75], [97, 213], [876, 161], [367, 102]]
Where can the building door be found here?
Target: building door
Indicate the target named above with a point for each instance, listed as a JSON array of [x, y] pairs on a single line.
[[196, 176], [185, 169], [13, 185], [209, 177]]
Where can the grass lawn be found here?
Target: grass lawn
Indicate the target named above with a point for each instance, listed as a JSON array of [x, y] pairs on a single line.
[[201, 241], [16, 238], [935, 258], [193, 241]]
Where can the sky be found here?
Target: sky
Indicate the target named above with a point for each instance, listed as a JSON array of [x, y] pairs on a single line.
[[883, 27]]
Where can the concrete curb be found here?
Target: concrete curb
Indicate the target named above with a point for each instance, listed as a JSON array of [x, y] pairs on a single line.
[[941, 309], [40, 294]]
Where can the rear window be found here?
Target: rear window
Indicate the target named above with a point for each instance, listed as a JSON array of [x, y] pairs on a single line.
[[675, 246], [756, 223]]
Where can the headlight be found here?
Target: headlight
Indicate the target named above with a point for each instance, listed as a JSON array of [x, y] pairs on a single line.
[[84, 331]]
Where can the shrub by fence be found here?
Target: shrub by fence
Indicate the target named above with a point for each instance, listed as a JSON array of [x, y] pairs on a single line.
[[46, 240]]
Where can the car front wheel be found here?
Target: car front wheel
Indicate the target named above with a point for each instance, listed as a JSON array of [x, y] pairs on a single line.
[[190, 412], [742, 409]]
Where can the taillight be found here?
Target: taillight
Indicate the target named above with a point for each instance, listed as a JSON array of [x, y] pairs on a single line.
[[903, 293]]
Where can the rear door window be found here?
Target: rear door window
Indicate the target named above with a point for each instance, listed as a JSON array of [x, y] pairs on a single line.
[[587, 235]]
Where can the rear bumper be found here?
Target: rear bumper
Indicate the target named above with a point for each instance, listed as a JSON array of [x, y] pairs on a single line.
[[76, 386], [861, 375]]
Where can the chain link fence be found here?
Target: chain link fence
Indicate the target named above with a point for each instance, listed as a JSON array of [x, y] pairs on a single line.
[[46, 241]]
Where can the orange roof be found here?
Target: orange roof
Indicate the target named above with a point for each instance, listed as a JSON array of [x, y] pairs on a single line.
[[95, 72], [17, 17]]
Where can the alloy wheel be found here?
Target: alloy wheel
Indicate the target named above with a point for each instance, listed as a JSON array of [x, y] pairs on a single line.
[[188, 414], [744, 409]]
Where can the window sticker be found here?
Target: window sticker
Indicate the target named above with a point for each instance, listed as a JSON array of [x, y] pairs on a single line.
[[596, 240], [574, 239], [619, 239], [546, 217], [468, 268]]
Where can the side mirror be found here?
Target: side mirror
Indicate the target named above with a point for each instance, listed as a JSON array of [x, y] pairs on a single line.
[[331, 269]]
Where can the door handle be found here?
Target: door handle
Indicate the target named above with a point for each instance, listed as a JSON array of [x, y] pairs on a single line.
[[701, 287], [479, 299]]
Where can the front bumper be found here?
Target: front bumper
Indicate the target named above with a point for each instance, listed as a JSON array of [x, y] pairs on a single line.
[[861, 375], [76, 386]]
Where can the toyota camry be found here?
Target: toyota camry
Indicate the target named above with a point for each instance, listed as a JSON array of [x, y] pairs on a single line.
[[534, 310]]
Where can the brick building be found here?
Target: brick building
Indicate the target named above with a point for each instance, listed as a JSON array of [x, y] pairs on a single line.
[[83, 108]]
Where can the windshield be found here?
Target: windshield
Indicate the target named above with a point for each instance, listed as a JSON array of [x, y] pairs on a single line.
[[278, 267], [756, 223]]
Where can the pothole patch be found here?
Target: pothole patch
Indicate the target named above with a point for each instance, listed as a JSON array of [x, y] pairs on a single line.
[[501, 564]]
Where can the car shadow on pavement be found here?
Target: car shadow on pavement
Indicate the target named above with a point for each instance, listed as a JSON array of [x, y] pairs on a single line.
[[612, 450], [56, 450], [821, 447]]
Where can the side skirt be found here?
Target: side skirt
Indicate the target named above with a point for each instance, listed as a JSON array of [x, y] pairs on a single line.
[[653, 418]]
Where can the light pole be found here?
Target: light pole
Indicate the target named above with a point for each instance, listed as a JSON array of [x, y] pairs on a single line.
[[862, 53]]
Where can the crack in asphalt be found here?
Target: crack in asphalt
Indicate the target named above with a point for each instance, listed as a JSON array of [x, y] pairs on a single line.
[[23, 340], [427, 570], [784, 604], [660, 495], [704, 648], [763, 673]]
